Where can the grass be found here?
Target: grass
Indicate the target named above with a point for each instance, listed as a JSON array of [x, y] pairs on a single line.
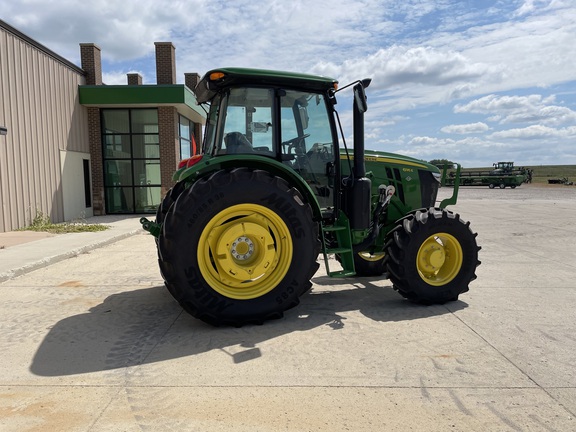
[[544, 172], [42, 223]]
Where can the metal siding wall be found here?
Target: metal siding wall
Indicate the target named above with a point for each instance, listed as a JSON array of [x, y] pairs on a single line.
[[39, 106], [3, 122]]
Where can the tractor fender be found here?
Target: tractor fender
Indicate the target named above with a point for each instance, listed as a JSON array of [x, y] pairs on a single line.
[[209, 165]]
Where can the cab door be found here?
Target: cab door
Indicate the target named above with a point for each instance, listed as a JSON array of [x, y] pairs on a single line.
[[306, 141]]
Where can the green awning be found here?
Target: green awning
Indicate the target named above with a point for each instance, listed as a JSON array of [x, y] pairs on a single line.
[[143, 96]]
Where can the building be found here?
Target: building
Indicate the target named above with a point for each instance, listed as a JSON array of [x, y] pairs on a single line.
[[75, 147]]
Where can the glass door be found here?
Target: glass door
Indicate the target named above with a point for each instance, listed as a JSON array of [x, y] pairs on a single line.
[[131, 160]]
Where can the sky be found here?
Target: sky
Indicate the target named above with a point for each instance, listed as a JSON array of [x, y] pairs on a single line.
[[472, 81]]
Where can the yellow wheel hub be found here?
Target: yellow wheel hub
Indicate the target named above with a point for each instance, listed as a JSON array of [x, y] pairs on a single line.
[[245, 251], [367, 256], [439, 259]]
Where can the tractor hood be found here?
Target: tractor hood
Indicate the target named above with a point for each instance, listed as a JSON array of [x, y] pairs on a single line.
[[394, 158]]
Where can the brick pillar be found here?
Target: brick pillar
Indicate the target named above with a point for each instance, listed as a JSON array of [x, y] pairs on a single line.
[[134, 79], [169, 145], [165, 63], [96, 163], [90, 59], [191, 80]]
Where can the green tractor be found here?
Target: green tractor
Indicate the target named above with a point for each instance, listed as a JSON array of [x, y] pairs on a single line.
[[240, 232]]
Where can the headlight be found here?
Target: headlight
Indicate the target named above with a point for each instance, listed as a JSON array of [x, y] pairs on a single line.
[[437, 176]]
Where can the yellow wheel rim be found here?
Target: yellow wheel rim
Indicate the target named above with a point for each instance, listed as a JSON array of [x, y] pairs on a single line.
[[439, 259], [367, 256], [245, 251]]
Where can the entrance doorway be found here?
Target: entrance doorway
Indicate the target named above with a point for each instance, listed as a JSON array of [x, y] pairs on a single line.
[[131, 150]]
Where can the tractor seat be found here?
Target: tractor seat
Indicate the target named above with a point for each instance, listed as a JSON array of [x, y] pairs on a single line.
[[236, 142]]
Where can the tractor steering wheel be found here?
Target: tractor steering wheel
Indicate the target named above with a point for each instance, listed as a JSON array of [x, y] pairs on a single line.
[[296, 144]]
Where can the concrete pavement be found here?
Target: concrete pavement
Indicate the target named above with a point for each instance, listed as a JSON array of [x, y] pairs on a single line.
[[95, 343], [25, 251]]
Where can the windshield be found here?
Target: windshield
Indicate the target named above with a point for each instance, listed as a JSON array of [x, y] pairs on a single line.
[[211, 125]]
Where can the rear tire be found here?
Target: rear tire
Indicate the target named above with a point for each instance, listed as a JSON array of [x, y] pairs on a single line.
[[170, 198], [239, 247], [431, 256]]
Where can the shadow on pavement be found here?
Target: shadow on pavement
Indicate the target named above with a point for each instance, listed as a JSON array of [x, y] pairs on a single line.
[[147, 325]]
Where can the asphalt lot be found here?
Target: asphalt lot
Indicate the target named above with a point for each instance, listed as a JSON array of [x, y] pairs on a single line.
[[95, 343]]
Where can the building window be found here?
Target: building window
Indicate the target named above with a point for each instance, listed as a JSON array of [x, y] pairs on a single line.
[[131, 160], [187, 139]]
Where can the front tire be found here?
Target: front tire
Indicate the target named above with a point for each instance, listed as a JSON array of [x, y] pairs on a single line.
[[431, 256], [369, 264], [239, 247]]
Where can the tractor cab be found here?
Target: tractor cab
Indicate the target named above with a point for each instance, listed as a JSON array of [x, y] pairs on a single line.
[[269, 118]]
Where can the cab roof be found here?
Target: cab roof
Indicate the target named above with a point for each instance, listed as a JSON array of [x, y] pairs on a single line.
[[218, 79]]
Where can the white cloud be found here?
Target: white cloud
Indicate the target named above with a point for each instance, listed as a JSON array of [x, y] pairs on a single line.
[[535, 132], [385, 121], [552, 115], [477, 152], [401, 65], [425, 147], [124, 30], [469, 128], [529, 6], [519, 109], [120, 77], [534, 49]]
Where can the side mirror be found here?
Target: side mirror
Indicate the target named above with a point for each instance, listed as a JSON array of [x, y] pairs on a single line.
[[3, 130], [303, 117], [360, 98]]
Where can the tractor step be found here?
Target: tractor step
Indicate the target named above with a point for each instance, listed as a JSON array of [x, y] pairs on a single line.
[[343, 246], [332, 228]]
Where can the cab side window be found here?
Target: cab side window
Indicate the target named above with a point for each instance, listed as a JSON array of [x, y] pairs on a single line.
[[307, 140], [248, 122]]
